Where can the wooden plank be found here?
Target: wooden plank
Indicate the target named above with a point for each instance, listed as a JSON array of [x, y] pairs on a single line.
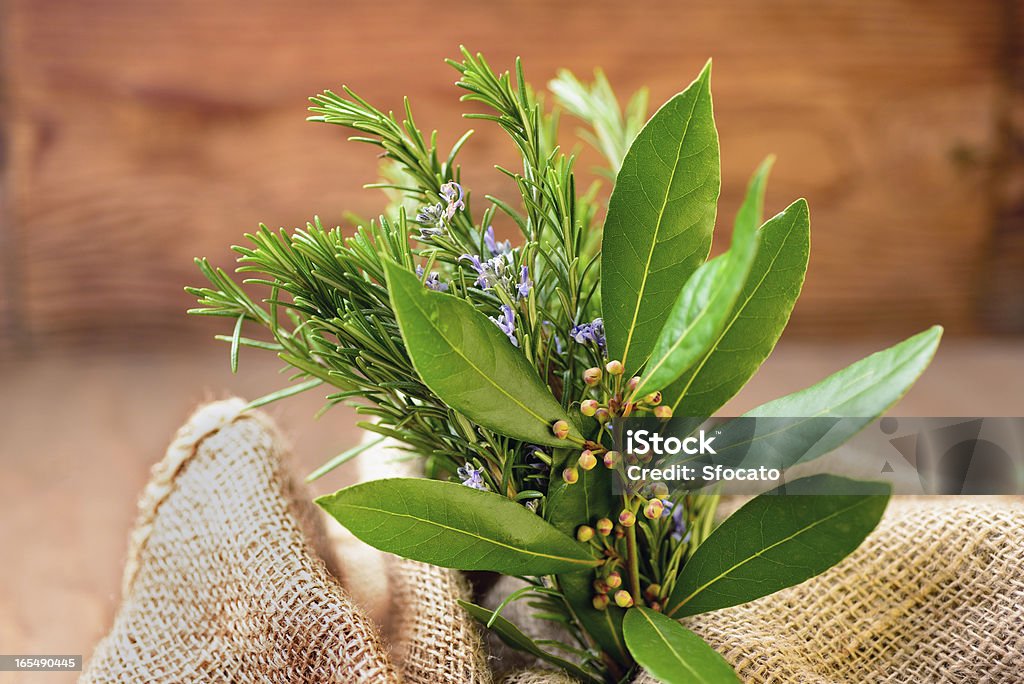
[[143, 134]]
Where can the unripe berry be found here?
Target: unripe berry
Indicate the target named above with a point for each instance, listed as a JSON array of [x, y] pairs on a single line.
[[633, 383], [604, 527], [587, 460], [654, 509], [652, 591], [653, 398], [619, 531], [600, 602], [627, 518], [602, 415], [592, 376], [588, 407], [571, 475], [584, 533], [663, 411], [623, 599], [613, 580], [600, 586], [612, 459], [560, 429], [659, 490], [614, 367]]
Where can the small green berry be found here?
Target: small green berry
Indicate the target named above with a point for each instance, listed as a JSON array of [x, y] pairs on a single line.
[[614, 367], [592, 376], [633, 383], [602, 415], [584, 533], [627, 518], [663, 411], [600, 586], [613, 580], [652, 591], [587, 460], [653, 509], [654, 398], [588, 407], [600, 602], [560, 429], [623, 599], [571, 475], [612, 459], [659, 490], [604, 527]]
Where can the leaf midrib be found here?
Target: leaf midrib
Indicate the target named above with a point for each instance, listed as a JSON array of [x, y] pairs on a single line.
[[671, 648], [746, 560], [657, 230], [682, 337], [472, 365], [486, 540], [732, 321]]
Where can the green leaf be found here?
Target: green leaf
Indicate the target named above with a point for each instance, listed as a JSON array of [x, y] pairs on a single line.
[[660, 218], [672, 653], [776, 541], [468, 362], [816, 420], [569, 506], [703, 305], [514, 637], [454, 526], [757, 319]]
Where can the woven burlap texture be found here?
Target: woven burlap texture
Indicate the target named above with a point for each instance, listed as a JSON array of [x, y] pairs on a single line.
[[935, 594], [222, 583]]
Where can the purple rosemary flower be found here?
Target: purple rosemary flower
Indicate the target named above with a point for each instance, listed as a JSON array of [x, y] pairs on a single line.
[[506, 322], [496, 248], [523, 290], [585, 333], [431, 221], [472, 477], [679, 527], [433, 281], [488, 273], [452, 194]]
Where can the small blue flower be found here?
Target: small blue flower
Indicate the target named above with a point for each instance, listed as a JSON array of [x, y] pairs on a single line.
[[506, 322], [678, 522], [491, 272], [433, 281], [589, 332], [523, 290], [452, 194], [472, 477], [431, 221], [496, 248]]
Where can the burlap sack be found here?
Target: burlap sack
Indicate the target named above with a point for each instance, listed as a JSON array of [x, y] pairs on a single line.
[[935, 594], [224, 583]]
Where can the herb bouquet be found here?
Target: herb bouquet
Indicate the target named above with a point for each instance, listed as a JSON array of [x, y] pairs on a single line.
[[509, 367]]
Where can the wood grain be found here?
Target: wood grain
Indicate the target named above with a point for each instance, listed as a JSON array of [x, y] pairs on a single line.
[[143, 134]]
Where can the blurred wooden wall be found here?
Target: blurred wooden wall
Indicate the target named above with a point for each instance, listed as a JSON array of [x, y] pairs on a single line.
[[140, 134]]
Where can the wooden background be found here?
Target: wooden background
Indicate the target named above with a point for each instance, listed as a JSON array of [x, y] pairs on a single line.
[[138, 135]]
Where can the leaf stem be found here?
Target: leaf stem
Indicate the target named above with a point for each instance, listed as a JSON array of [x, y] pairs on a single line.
[[633, 559]]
